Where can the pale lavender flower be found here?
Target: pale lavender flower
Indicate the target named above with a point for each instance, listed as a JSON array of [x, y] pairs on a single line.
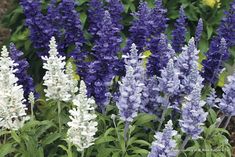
[[193, 115], [227, 103], [131, 87], [165, 144], [198, 32]]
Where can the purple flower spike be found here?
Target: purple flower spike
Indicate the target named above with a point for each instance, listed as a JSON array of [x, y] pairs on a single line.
[[131, 87], [61, 21], [178, 35], [139, 31], [164, 145], [227, 103], [217, 55], [199, 30], [160, 57], [116, 8], [106, 64], [95, 15], [22, 73], [193, 115], [213, 65]]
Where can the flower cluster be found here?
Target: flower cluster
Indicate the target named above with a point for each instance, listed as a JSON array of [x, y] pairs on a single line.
[[116, 9], [213, 65], [198, 32], [160, 58], [22, 71], [106, 64], [150, 94], [187, 63], [217, 55], [178, 35], [156, 26], [227, 103], [147, 27], [169, 82], [12, 107], [131, 87], [56, 80], [212, 99], [82, 127], [193, 115], [95, 16], [73, 83], [164, 145], [61, 21]]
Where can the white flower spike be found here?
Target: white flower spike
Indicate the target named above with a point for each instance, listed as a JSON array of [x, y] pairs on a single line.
[[83, 126], [12, 107]]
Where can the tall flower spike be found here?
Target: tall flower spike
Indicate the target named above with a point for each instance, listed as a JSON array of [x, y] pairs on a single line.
[[157, 26], [55, 79], [187, 58], [212, 100], [198, 32], [73, 83], [179, 33], [95, 15], [149, 99], [164, 144], [106, 64], [215, 57], [160, 57], [169, 82], [139, 31], [12, 107], [226, 29], [193, 115], [213, 65], [116, 8], [22, 67], [82, 127], [59, 17], [130, 89], [227, 103]]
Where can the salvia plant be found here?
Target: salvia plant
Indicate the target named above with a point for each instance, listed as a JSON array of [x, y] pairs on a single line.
[[120, 79]]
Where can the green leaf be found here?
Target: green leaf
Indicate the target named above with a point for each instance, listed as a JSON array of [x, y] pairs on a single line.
[[208, 149], [15, 137], [6, 149], [209, 31], [141, 151], [142, 142], [213, 115], [50, 138], [105, 139], [144, 118]]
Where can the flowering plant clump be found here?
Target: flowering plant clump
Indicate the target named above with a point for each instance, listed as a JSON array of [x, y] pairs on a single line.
[[82, 125], [13, 110], [55, 79], [118, 78], [164, 145]]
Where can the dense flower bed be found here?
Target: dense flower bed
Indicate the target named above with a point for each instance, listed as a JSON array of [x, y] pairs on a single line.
[[108, 93]]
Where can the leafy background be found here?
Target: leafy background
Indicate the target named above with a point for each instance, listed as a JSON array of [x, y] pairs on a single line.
[[12, 29]]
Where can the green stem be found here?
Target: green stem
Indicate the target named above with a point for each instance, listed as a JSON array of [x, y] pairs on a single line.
[[227, 122], [116, 129], [221, 120], [184, 144], [59, 119], [5, 138], [164, 113], [83, 153], [70, 154], [32, 113]]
